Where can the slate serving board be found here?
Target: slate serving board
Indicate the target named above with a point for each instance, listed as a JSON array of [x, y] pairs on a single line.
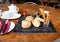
[[18, 28]]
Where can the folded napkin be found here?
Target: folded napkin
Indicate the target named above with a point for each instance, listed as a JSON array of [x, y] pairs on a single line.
[[0, 25], [7, 26]]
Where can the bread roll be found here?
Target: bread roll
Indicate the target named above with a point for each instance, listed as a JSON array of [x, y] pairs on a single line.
[[26, 24], [29, 18], [39, 19], [36, 23]]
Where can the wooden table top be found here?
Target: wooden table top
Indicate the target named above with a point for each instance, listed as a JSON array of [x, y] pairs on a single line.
[[13, 37]]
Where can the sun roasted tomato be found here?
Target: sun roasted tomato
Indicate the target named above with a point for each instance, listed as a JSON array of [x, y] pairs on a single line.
[[25, 13]]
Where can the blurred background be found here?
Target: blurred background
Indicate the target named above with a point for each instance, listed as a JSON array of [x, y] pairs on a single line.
[[52, 3]]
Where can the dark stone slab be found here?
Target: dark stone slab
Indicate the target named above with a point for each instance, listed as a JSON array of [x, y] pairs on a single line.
[[32, 29]]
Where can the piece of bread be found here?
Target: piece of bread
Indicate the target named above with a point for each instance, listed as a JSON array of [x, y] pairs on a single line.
[[29, 18], [26, 24], [36, 23], [39, 19]]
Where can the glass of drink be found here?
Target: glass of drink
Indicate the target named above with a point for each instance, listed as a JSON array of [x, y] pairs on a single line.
[[47, 19]]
